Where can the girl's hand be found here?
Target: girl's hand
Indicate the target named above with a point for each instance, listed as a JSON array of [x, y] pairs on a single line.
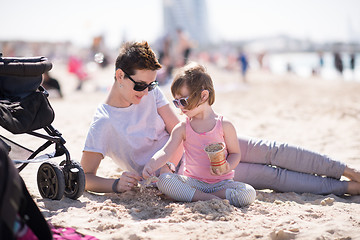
[[148, 171], [218, 172]]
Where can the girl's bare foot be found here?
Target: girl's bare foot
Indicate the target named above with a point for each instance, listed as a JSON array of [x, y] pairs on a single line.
[[353, 188], [352, 174], [201, 196]]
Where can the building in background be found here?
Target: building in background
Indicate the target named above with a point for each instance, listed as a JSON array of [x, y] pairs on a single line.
[[189, 15]]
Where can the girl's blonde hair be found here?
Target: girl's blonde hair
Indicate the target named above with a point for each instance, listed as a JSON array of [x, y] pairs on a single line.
[[196, 79]]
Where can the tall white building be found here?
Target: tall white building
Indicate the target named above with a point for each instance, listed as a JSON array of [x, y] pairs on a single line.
[[189, 15]]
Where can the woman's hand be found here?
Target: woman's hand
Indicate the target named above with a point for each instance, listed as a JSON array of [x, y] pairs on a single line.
[[127, 181]]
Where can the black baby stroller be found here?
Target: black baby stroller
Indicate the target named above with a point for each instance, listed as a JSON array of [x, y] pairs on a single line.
[[25, 109]]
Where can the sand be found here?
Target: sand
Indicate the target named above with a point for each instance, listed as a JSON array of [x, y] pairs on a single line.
[[318, 114]]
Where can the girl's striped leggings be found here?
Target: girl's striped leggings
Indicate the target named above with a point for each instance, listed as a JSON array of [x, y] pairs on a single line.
[[182, 188]]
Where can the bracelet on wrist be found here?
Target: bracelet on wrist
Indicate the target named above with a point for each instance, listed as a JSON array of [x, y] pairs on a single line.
[[114, 186]]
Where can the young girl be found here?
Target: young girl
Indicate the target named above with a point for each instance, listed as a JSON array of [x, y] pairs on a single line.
[[194, 94]]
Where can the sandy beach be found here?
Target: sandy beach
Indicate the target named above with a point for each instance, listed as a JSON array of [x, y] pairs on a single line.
[[317, 114]]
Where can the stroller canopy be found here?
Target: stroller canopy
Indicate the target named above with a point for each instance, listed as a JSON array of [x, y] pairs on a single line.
[[21, 76]]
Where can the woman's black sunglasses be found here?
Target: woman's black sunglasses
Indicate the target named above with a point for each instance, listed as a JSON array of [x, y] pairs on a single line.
[[139, 87]]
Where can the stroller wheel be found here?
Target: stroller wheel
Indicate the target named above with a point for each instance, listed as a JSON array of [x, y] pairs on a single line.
[[50, 181], [74, 179]]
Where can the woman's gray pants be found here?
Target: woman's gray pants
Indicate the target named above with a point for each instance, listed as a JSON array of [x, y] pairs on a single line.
[[287, 168]]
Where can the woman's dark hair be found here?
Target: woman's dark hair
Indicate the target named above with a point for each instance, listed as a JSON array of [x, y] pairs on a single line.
[[136, 56]]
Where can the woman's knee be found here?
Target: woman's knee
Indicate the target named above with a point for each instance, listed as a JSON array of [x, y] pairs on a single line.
[[257, 175]]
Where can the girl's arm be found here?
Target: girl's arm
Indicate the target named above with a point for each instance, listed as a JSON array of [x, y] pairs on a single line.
[[233, 148], [171, 120], [232, 144], [165, 154]]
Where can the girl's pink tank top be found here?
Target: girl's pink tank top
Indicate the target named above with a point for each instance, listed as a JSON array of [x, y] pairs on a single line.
[[197, 163]]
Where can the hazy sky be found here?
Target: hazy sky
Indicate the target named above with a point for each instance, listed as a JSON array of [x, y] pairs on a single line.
[[80, 20]]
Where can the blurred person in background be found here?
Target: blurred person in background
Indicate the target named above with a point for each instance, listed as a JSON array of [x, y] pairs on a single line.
[[76, 67], [184, 46], [166, 59], [244, 65], [352, 61], [52, 85], [338, 63]]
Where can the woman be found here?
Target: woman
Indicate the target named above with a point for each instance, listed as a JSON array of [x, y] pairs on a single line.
[[132, 124], [135, 122]]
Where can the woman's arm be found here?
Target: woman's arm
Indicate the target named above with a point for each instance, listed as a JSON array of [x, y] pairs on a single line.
[[90, 162], [169, 116]]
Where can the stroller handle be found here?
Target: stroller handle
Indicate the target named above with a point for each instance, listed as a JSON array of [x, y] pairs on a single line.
[[24, 66]]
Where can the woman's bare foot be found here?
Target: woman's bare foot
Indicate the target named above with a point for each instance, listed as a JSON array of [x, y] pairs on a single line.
[[352, 174], [353, 188]]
